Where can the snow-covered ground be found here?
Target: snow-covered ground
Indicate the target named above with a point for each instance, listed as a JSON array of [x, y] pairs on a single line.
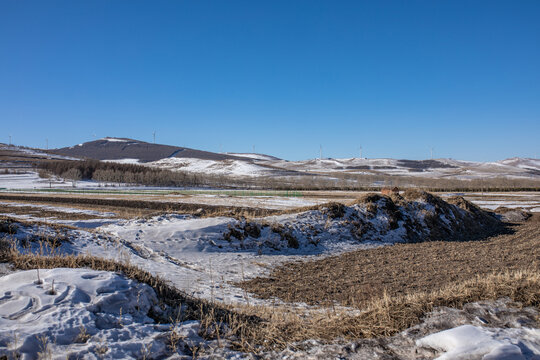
[[475, 342], [31, 180], [81, 313], [437, 168], [264, 202], [62, 209], [529, 201], [263, 165], [254, 165], [204, 255], [253, 156], [196, 255], [124, 161], [214, 167]]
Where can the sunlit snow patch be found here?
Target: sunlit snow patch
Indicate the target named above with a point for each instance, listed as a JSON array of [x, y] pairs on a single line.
[[473, 342]]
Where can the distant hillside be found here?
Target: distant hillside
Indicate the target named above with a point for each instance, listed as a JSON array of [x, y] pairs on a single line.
[[110, 148], [251, 165]]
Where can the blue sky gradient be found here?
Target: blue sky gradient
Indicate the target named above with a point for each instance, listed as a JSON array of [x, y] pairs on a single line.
[[395, 77]]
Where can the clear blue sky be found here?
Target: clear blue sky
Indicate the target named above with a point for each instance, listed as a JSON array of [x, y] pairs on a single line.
[[396, 77]]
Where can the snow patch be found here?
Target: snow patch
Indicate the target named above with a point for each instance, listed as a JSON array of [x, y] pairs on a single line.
[[474, 342]]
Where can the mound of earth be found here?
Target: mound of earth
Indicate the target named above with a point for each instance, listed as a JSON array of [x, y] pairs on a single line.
[[512, 215], [414, 217]]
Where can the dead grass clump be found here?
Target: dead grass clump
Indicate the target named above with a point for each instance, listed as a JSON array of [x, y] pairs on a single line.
[[233, 232], [333, 210], [252, 229], [292, 242], [8, 226], [360, 228], [369, 198], [285, 234], [415, 194], [5, 248], [277, 228]]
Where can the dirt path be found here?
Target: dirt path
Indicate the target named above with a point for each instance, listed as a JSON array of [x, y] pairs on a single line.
[[353, 278]]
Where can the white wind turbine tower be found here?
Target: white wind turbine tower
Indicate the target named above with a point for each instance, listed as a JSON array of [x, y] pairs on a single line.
[[431, 153], [154, 133], [320, 152], [360, 148]]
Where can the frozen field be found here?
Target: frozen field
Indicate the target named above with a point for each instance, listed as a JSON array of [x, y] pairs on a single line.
[[205, 257]]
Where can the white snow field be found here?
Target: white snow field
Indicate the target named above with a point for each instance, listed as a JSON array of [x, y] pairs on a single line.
[[436, 168], [107, 307], [31, 180], [91, 315], [214, 167], [256, 165], [474, 342]]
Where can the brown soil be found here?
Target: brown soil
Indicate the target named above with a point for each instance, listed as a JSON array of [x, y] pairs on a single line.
[[357, 277]]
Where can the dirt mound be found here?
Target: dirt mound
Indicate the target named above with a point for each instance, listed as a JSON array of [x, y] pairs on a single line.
[[454, 219], [416, 216], [512, 215]]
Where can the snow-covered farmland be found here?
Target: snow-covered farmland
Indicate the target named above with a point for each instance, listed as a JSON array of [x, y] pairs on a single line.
[[204, 257]]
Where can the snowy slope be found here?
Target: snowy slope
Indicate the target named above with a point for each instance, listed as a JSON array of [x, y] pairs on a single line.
[[436, 168], [214, 167], [129, 151]]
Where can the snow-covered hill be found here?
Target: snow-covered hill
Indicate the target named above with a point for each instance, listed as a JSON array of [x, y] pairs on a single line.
[[129, 151]]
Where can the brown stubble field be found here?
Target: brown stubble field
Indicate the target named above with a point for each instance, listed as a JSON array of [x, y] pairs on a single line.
[[354, 278]]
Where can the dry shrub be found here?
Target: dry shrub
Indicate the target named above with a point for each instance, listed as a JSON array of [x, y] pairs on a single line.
[[8, 226]]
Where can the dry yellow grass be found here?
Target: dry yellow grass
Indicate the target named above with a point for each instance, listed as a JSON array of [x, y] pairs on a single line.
[[254, 328]]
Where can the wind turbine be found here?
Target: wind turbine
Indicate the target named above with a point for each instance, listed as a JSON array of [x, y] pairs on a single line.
[[431, 153], [154, 133], [320, 152]]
